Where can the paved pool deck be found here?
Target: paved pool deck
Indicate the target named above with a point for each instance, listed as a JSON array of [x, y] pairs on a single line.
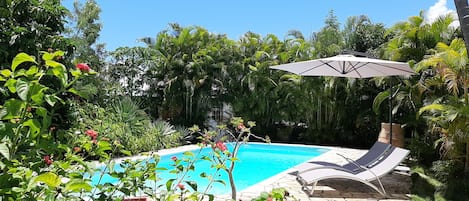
[[396, 184]]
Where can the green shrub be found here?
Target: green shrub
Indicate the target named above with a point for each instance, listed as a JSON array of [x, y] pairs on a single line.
[[124, 123], [159, 135]]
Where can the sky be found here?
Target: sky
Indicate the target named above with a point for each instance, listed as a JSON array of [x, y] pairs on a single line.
[[125, 21]]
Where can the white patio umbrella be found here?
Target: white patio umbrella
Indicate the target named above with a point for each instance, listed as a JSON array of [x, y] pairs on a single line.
[[352, 67]]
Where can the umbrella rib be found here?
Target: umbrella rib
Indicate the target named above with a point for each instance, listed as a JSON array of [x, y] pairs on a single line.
[[391, 67], [323, 63], [355, 68], [378, 64]]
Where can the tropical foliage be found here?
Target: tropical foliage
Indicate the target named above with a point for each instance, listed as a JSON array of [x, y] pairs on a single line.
[[52, 115]]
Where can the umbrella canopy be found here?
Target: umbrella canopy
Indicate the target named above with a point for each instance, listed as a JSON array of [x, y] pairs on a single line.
[[347, 66], [350, 66]]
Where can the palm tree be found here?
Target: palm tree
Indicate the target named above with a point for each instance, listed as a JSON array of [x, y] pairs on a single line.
[[189, 72], [413, 39], [450, 112]]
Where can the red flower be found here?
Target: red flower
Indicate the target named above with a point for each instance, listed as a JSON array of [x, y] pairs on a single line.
[[93, 134], [47, 160], [174, 158], [181, 186], [83, 67], [220, 145]]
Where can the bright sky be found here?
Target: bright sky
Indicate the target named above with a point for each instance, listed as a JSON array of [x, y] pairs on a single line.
[[125, 21]]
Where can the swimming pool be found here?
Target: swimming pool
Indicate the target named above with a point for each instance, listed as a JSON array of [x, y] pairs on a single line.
[[257, 162]]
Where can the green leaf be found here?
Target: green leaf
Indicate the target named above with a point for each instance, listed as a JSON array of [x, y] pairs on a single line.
[[3, 112], [13, 109], [211, 197], [22, 88], [192, 184], [59, 53], [52, 99], [378, 100], [169, 184], [203, 175], [36, 92], [32, 71], [34, 126], [47, 56], [437, 107], [74, 91], [77, 185], [54, 64], [50, 197], [125, 152], [220, 181], [76, 73], [49, 178], [11, 84], [188, 153], [5, 73], [60, 72], [21, 58], [4, 150]]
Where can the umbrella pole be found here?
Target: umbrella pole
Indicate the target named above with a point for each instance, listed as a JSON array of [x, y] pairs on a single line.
[[390, 115]]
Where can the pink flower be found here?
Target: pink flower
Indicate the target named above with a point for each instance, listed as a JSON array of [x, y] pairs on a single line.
[[174, 158], [269, 199], [83, 67], [181, 186], [47, 160], [241, 126], [220, 145], [93, 134]]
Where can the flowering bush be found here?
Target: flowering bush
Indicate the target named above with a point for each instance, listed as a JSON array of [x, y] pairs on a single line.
[[34, 164], [222, 158]]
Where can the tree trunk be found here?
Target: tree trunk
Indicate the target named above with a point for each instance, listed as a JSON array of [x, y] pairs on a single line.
[[233, 186], [463, 16]]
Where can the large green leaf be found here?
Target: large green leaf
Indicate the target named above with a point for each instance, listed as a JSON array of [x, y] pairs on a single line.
[[61, 73], [13, 109], [52, 99], [34, 126], [432, 107], [36, 91], [21, 58], [379, 99], [49, 178], [77, 185], [22, 88], [5, 73], [4, 150], [54, 64]]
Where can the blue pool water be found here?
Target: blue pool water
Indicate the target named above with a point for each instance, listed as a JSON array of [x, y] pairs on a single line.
[[257, 162]]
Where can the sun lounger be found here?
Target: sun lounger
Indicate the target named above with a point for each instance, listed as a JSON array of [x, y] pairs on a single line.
[[365, 175], [371, 156]]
